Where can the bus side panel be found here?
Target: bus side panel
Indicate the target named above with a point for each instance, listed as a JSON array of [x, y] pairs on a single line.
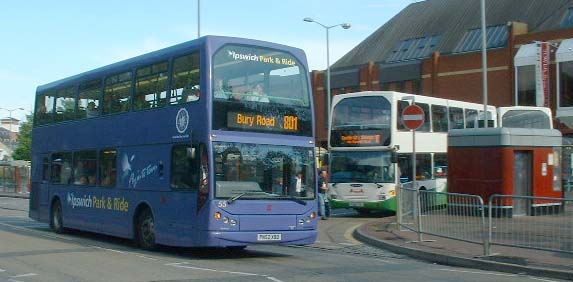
[[176, 222]]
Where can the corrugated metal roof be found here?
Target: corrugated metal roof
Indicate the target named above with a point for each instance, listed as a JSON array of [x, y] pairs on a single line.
[[451, 20]]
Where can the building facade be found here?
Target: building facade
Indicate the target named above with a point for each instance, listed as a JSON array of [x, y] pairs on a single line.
[[433, 48]]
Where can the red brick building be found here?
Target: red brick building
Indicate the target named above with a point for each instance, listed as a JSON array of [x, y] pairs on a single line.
[[432, 48]]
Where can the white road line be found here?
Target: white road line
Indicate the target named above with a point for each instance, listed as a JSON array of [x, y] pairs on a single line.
[[274, 279], [183, 265], [106, 249], [14, 280], [144, 257], [122, 252], [41, 233], [2, 270], [24, 275], [546, 280], [479, 272]]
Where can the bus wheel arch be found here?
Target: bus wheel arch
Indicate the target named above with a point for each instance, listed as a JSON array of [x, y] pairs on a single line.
[[56, 216], [144, 227]]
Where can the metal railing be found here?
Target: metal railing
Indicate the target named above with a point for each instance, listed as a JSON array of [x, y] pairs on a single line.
[[531, 222], [14, 179], [507, 220]]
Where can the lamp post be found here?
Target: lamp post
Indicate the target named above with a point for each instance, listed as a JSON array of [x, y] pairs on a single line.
[[345, 26], [10, 126], [198, 18], [484, 61]]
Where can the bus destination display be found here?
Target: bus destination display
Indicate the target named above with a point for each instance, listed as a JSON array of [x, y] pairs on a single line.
[[256, 121], [356, 138]]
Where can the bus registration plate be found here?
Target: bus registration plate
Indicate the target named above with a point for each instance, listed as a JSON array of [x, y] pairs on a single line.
[[269, 237], [356, 205]]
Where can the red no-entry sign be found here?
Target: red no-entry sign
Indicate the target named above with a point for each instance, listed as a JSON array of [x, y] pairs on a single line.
[[413, 117]]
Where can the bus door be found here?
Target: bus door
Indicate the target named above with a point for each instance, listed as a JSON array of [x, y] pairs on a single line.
[[39, 196]]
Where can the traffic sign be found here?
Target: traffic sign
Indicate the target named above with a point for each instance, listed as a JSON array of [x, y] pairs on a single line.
[[413, 117]]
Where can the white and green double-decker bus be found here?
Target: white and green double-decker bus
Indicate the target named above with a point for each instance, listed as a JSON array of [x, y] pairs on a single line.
[[371, 150]]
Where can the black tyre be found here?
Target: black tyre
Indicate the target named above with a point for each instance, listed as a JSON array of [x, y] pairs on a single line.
[[56, 218], [145, 231], [363, 212]]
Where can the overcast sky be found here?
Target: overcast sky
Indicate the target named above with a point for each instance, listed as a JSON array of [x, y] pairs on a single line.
[[43, 41]]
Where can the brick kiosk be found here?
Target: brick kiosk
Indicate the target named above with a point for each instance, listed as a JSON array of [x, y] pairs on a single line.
[[506, 161]]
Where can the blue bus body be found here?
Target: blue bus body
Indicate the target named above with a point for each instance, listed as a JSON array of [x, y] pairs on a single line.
[[133, 157]]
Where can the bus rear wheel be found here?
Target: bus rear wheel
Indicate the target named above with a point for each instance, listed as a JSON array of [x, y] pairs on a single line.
[[145, 230], [56, 220]]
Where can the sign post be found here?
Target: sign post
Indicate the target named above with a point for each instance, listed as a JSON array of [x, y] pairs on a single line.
[[413, 118]]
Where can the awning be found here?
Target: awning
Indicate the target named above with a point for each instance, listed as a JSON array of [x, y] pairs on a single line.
[[526, 55], [565, 51]]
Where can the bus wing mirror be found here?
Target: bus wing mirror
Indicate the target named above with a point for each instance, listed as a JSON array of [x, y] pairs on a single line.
[[394, 157]]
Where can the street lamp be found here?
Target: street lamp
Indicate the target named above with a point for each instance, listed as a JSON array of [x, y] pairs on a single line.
[[345, 26], [10, 128], [484, 60]]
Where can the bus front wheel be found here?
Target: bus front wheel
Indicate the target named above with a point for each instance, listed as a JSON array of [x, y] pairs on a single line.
[[145, 232], [56, 220]]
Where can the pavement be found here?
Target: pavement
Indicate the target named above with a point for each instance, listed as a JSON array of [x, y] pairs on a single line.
[[383, 233]]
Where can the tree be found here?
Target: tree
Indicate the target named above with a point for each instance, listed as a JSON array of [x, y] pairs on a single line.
[[24, 150]]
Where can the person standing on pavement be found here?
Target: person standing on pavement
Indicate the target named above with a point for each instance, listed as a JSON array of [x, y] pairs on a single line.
[[322, 190]]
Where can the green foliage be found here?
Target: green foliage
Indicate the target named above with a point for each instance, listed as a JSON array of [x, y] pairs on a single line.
[[24, 151]]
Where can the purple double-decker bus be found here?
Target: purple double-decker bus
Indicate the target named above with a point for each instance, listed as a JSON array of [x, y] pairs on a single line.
[[206, 143]]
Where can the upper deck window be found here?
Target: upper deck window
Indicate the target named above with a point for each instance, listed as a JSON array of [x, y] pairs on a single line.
[[526, 119], [65, 104], [89, 99], [258, 89], [117, 93], [45, 108], [361, 121], [186, 78], [151, 87]]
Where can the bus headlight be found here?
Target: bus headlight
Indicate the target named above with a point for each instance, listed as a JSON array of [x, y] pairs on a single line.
[[217, 215], [225, 220], [233, 222]]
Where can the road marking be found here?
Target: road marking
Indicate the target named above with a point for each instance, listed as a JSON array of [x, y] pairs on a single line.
[[212, 270], [546, 280], [41, 233], [106, 249], [348, 234], [2, 270], [479, 272], [24, 275], [14, 280], [149, 258], [274, 279], [184, 265], [122, 252]]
